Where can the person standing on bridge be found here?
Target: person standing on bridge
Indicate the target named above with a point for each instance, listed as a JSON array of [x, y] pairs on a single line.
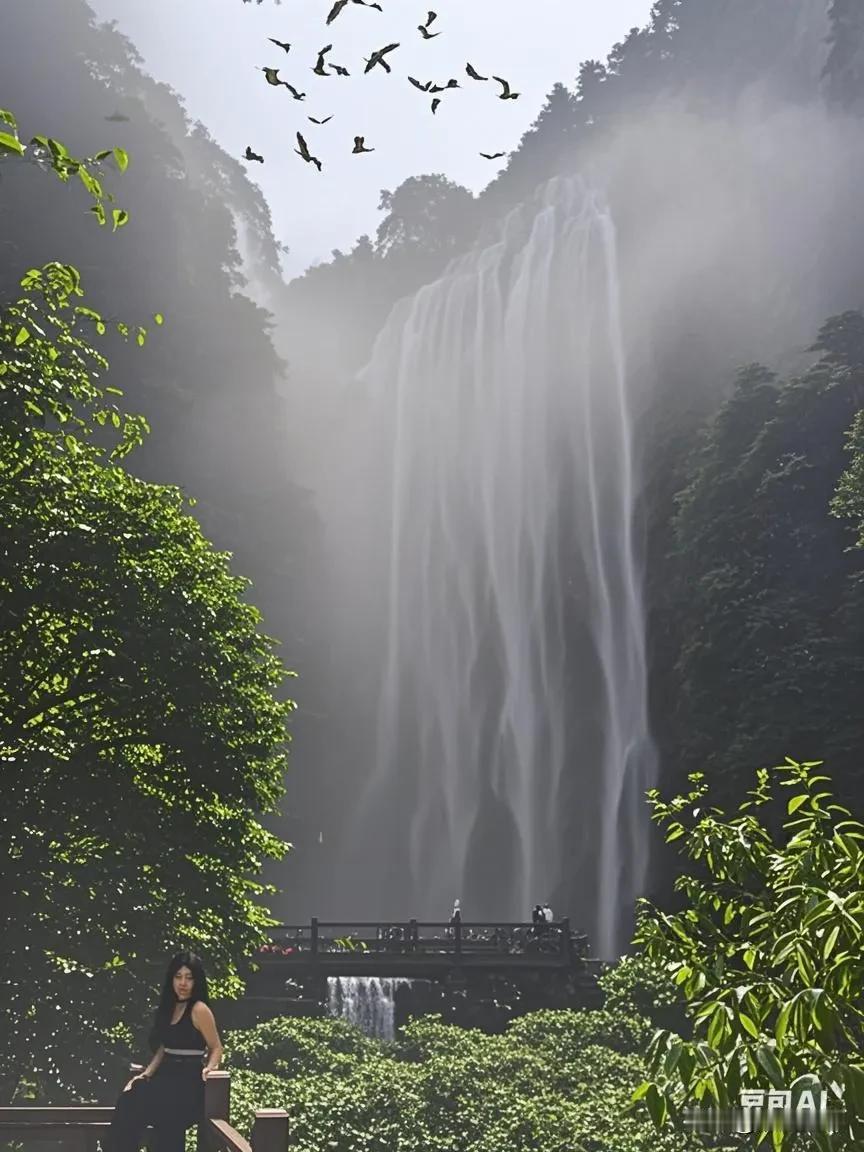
[[455, 918], [169, 1093]]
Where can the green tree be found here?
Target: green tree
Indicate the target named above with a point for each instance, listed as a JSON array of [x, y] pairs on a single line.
[[141, 736], [843, 74], [555, 1081], [764, 600], [767, 951], [53, 155], [426, 215]]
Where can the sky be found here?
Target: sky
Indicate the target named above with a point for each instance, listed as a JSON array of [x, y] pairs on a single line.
[[211, 53]]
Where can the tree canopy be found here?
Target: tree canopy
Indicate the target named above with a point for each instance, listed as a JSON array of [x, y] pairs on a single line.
[[140, 731], [767, 950]]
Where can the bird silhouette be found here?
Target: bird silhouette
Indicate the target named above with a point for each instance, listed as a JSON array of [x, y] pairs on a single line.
[[492, 155], [118, 118], [506, 94], [250, 155], [272, 76], [359, 146], [435, 104], [423, 87], [369, 4], [324, 121], [425, 33], [303, 151], [336, 9], [378, 58], [319, 66], [339, 70], [280, 44], [473, 73], [443, 87]]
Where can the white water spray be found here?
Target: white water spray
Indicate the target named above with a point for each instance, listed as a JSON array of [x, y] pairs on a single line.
[[367, 1002], [513, 726]]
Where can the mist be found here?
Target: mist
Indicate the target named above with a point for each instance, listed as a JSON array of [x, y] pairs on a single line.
[[737, 227]]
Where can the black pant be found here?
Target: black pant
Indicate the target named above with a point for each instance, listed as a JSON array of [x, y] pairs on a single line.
[[169, 1103]]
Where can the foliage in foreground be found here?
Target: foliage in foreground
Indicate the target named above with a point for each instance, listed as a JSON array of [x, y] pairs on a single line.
[[767, 951], [556, 1081], [140, 733]]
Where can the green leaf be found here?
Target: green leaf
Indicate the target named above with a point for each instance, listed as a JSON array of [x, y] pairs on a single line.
[[656, 1104], [830, 941], [158, 318], [121, 158], [7, 118], [796, 802], [748, 1025], [9, 143], [120, 217], [22, 337], [770, 1065]]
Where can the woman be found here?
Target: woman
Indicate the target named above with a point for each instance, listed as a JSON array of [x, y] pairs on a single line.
[[169, 1093]]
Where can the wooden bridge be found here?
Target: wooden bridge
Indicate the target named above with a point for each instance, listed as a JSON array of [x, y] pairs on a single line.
[[79, 1129], [418, 950]]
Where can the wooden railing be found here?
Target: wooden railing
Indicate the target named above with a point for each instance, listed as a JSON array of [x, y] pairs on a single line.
[[80, 1129], [412, 937]]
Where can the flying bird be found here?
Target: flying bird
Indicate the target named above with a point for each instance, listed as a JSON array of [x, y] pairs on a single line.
[[118, 118], [369, 4], [423, 29], [324, 121], [443, 87], [506, 94], [378, 58], [423, 87], [473, 73], [280, 44], [336, 9], [339, 70], [319, 66], [250, 155], [359, 146], [297, 95], [492, 155], [303, 151], [272, 76], [435, 104]]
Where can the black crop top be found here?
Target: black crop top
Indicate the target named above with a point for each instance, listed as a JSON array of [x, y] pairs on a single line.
[[183, 1036]]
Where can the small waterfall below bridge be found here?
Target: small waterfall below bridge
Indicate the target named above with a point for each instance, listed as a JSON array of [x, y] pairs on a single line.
[[368, 1002], [513, 743]]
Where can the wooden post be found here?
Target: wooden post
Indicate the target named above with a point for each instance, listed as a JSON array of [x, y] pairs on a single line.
[[314, 935], [270, 1130], [413, 935], [457, 936], [566, 940], [217, 1106]]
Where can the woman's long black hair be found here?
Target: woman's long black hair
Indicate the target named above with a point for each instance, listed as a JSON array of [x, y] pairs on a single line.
[[168, 1000]]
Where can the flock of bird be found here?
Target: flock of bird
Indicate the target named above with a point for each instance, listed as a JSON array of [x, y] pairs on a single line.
[[378, 59]]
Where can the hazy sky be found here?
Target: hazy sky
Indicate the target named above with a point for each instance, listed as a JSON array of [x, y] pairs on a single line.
[[208, 51]]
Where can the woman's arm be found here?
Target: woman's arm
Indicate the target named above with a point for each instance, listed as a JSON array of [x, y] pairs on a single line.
[[154, 1063], [149, 1070], [204, 1021]]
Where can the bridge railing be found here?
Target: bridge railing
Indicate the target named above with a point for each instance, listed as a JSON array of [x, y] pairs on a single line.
[[85, 1128], [413, 937]]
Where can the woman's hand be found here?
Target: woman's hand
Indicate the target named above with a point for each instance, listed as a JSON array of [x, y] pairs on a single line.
[[205, 1073], [140, 1076]]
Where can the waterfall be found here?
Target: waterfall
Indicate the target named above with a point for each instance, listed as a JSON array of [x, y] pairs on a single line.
[[513, 741], [365, 1001]]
